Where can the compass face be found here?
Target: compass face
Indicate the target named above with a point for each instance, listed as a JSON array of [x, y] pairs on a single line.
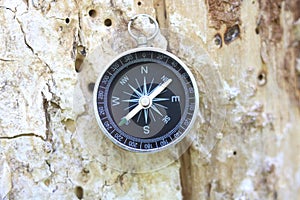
[[146, 100]]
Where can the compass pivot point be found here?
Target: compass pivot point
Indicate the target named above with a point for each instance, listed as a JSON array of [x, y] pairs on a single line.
[[145, 101]]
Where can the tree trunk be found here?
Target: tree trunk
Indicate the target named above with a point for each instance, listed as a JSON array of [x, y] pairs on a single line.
[[245, 56]]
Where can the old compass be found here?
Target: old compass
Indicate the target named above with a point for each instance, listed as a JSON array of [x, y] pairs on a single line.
[[146, 100]]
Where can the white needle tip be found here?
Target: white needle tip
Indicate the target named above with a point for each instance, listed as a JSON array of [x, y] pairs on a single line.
[[123, 121]]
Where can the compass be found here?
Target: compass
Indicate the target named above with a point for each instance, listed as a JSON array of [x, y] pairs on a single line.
[[146, 100]]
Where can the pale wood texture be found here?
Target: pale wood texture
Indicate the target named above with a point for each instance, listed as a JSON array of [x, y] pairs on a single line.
[[244, 54]]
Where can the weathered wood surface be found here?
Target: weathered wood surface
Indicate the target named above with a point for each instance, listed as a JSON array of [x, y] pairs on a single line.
[[245, 55]]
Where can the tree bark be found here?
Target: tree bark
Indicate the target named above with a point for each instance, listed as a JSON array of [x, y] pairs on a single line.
[[245, 56]]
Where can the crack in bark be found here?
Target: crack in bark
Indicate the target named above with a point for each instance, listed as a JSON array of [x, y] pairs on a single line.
[[21, 135], [161, 13], [24, 36], [185, 175], [49, 166], [30, 47], [185, 159], [7, 60], [50, 71], [119, 179], [45, 101], [47, 117], [80, 36], [13, 11], [78, 42]]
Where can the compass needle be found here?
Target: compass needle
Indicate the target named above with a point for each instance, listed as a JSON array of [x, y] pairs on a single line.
[[122, 122], [132, 113], [159, 89]]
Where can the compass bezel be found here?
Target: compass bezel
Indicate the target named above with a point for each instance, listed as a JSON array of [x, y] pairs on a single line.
[[104, 128]]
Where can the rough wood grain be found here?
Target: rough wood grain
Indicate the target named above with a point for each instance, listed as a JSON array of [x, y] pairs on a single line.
[[244, 54]]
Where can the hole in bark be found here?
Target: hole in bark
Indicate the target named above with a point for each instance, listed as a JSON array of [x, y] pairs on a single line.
[[275, 195], [156, 20], [92, 13], [67, 20], [139, 3], [79, 192], [218, 40], [208, 189], [85, 170], [262, 78], [81, 50], [257, 30], [234, 153], [78, 63], [91, 87], [47, 182], [81, 53], [107, 22], [231, 34]]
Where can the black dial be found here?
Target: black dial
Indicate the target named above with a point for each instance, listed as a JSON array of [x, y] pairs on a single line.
[[146, 100]]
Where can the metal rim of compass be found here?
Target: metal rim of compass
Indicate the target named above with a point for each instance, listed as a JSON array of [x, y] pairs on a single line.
[[154, 150]]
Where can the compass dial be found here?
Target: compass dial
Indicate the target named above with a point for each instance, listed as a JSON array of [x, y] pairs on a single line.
[[146, 100]]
